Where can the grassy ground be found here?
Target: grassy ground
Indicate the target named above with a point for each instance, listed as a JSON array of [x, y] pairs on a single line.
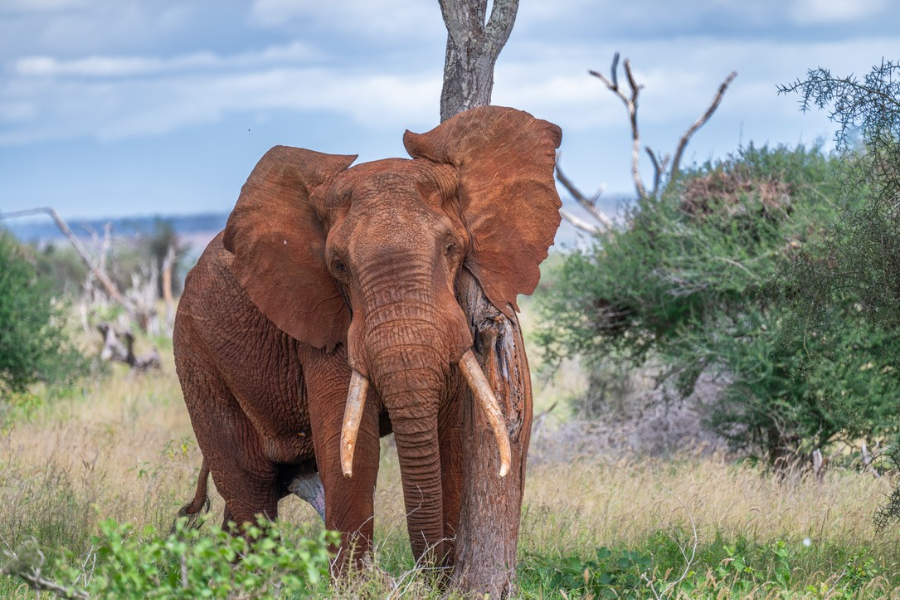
[[122, 447]]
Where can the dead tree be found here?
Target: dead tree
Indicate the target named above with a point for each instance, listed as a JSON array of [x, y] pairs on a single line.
[[118, 346], [487, 536], [167, 265], [140, 313], [665, 167]]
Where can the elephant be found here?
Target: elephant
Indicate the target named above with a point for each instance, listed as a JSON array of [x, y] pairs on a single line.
[[324, 316]]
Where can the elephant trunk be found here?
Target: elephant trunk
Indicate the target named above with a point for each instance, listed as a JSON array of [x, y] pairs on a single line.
[[409, 364]]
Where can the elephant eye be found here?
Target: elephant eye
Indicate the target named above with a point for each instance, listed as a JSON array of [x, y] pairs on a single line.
[[451, 248], [339, 268]]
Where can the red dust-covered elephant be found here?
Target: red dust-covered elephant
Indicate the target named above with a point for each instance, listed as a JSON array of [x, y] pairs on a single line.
[[325, 316]]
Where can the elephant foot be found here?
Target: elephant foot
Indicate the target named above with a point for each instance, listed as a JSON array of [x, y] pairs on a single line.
[[309, 488]]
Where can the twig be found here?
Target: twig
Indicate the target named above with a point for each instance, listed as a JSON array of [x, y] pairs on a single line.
[[580, 223], [659, 168], [867, 461], [31, 574], [588, 204], [688, 561], [676, 162]]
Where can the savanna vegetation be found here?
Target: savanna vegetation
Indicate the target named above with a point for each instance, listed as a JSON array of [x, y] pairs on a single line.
[[753, 297]]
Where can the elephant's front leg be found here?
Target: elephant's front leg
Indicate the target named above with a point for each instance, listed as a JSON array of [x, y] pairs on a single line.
[[349, 502]]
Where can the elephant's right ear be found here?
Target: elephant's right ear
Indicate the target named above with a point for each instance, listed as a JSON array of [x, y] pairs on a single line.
[[278, 243]]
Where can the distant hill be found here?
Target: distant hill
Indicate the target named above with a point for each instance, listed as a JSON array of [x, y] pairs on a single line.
[[198, 229], [44, 229]]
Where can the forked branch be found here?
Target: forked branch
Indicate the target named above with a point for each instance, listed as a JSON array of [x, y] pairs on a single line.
[[631, 104], [664, 171]]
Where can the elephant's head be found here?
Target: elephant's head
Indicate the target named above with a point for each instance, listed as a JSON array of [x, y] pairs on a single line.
[[368, 256]]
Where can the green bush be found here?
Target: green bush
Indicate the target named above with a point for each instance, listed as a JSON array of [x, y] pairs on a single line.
[[269, 560], [858, 265], [694, 282], [33, 341]]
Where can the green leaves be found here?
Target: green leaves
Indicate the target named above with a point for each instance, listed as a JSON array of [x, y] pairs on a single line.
[[269, 560], [696, 281], [611, 574], [719, 569], [33, 342]]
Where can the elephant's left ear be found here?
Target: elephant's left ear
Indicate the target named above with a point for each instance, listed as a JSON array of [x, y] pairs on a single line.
[[505, 159]]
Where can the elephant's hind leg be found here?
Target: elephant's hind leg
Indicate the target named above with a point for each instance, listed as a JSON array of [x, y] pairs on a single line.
[[231, 447]]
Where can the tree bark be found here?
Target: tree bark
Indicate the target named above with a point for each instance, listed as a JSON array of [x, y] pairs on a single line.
[[473, 46], [488, 531]]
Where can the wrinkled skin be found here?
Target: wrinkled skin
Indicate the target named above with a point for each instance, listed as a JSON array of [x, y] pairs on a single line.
[[325, 269]]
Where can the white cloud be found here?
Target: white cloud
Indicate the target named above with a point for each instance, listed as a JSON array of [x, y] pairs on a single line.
[[48, 98], [71, 108], [40, 6], [383, 19], [127, 66], [807, 12]]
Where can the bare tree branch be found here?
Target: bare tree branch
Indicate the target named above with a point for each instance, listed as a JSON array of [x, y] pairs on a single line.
[[657, 170], [93, 266], [676, 162], [614, 70], [581, 223], [588, 204], [631, 104], [16, 566], [461, 18]]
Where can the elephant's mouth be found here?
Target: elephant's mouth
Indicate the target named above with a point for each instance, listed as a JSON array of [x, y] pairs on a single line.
[[481, 390]]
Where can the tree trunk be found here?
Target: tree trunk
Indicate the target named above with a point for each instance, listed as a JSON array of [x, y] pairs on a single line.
[[488, 531], [473, 46]]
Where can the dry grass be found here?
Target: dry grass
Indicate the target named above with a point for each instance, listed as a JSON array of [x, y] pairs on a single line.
[[623, 504], [124, 448]]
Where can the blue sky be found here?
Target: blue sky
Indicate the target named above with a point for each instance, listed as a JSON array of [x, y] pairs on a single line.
[[135, 107]]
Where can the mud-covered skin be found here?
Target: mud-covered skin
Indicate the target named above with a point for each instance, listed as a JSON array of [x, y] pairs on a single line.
[[325, 269], [247, 396]]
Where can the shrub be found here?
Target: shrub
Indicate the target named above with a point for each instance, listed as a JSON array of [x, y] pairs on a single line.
[[692, 281], [269, 561], [33, 342], [858, 265]]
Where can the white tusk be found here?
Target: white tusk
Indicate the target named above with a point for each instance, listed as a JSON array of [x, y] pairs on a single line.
[[481, 389], [356, 402]]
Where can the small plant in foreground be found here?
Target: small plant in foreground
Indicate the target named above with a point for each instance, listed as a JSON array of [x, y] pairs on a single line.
[[738, 569], [269, 560]]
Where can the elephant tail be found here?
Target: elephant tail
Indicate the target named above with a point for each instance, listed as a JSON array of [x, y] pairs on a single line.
[[199, 506]]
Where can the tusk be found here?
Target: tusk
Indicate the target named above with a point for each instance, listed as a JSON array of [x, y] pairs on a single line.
[[481, 389], [356, 402]]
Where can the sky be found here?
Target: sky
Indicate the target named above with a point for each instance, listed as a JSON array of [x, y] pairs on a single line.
[[113, 108]]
